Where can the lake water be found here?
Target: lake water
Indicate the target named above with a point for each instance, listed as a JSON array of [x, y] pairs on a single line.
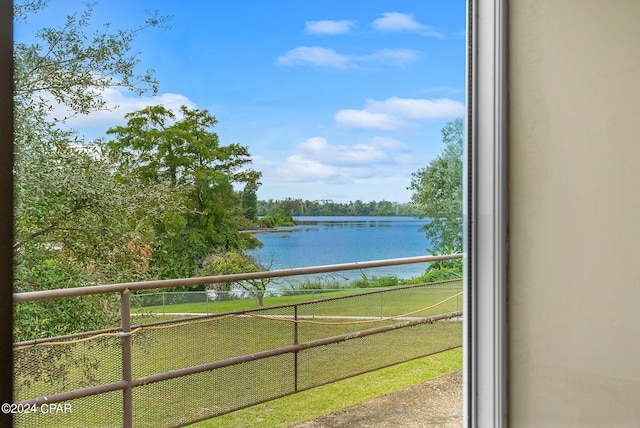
[[319, 241]]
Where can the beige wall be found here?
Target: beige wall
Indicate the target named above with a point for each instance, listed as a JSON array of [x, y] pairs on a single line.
[[574, 201]]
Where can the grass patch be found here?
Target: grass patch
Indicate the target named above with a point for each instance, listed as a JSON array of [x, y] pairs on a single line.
[[323, 400], [179, 401], [216, 307]]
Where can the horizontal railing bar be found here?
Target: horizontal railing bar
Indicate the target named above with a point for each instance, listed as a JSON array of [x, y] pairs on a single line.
[[430, 285], [300, 291], [31, 296], [307, 388], [159, 377], [286, 350], [194, 316], [338, 379]]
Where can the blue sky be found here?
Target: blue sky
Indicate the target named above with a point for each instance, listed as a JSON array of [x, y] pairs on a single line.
[[338, 100]]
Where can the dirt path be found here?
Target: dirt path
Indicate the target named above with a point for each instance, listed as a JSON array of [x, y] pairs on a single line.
[[435, 403]]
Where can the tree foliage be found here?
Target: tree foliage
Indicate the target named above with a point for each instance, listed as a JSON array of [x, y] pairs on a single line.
[[71, 67], [75, 224], [235, 262], [301, 207], [437, 190], [279, 219], [249, 202], [69, 202], [158, 146]]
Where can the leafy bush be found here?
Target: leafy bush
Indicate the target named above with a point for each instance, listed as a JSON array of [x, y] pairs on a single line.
[[375, 281], [443, 271], [266, 222], [386, 281], [298, 287]]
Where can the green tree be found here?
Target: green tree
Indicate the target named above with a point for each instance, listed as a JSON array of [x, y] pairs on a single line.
[[359, 208], [437, 191], [249, 202], [290, 206], [184, 154], [71, 67], [75, 224], [234, 262]]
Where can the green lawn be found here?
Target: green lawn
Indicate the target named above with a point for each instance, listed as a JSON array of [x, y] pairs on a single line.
[[222, 390], [215, 307], [320, 401]]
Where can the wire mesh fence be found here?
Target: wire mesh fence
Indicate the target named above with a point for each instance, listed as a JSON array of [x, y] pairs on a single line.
[[209, 363], [218, 301]]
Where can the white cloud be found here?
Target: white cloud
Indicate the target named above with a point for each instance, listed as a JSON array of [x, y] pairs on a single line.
[[403, 22], [419, 109], [260, 161], [395, 21], [318, 148], [324, 57], [314, 55], [394, 112], [368, 119], [315, 144], [120, 102], [319, 161], [329, 27], [298, 168]]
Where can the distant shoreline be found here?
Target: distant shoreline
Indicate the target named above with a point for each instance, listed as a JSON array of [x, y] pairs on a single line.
[[261, 230]]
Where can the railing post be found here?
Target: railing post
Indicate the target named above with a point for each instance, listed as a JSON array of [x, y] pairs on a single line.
[[125, 313], [295, 354]]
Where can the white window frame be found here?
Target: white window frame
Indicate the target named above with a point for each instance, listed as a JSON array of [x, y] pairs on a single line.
[[485, 362]]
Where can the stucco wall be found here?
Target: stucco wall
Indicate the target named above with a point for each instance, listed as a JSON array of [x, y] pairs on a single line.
[[574, 201]]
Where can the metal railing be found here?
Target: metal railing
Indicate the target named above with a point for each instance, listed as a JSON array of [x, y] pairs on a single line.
[[173, 303], [170, 373]]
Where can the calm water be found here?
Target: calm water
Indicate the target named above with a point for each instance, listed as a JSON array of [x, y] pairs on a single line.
[[328, 240]]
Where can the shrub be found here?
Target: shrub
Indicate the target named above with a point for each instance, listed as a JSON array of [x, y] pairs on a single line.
[[299, 287]]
